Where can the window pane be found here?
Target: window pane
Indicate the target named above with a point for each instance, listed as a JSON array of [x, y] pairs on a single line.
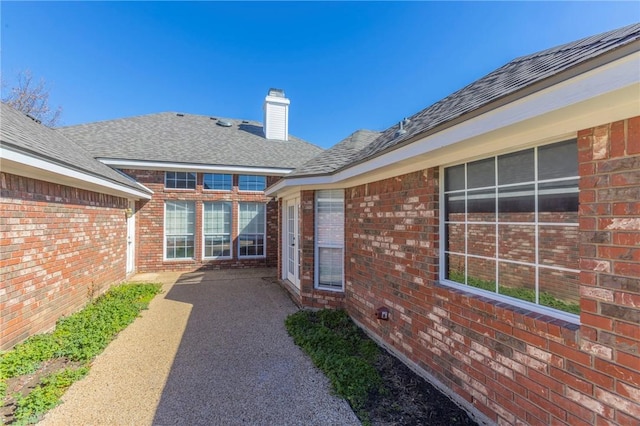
[[558, 246], [179, 229], [454, 268], [560, 290], [455, 237], [252, 229], [330, 267], [481, 205], [454, 178], [560, 196], [481, 173], [481, 273], [180, 180], [216, 181], [516, 167], [558, 160], [518, 281], [482, 240], [454, 206], [517, 203], [252, 183], [517, 242]]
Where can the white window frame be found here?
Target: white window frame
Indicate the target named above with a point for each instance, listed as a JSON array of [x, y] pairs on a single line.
[[204, 235], [334, 245], [164, 232], [204, 176], [253, 182], [264, 234], [556, 313], [195, 181]]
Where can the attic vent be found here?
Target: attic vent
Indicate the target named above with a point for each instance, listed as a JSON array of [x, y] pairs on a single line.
[[223, 123], [212, 118], [180, 114], [245, 122], [401, 130]]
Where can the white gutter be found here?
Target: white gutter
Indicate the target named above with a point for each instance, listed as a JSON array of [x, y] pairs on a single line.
[[191, 167], [21, 164], [603, 95]]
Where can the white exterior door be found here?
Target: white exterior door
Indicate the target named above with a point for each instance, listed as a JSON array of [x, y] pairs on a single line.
[[292, 242], [131, 237]]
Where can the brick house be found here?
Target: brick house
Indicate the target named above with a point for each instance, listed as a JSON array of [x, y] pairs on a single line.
[[84, 206], [500, 230], [64, 227]]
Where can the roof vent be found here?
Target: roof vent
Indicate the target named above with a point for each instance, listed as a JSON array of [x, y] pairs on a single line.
[[180, 114], [212, 118], [33, 118], [223, 123], [401, 130]]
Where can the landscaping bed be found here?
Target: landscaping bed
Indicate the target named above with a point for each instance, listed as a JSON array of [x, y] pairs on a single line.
[[36, 373], [380, 388]]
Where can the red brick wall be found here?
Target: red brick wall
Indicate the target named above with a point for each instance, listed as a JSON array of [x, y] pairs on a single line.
[[59, 246], [512, 365], [150, 224]]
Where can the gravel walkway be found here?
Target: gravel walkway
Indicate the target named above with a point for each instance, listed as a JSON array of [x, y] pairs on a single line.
[[211, 350]]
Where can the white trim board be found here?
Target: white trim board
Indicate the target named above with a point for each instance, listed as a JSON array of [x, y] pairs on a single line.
[[25, 165], [192, 167]]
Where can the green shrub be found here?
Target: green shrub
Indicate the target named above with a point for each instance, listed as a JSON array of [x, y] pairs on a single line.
[[46, 395], [340, 349]]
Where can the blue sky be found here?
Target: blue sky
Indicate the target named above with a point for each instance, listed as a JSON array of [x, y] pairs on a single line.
[[345, 66]]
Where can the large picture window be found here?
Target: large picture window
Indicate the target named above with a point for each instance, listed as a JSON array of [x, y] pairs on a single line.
[[179, 180], [329, 237], [217, 229], [252, 183], [511, 225], [252, 224], [179, 223]]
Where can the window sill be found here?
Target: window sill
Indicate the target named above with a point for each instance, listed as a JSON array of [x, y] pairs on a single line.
[[538, 312]]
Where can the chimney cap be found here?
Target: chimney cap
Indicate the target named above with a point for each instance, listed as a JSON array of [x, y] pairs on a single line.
[[276, 92]]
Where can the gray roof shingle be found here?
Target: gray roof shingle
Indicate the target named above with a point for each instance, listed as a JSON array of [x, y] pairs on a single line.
[[31, 138], [519, 74], [337, 156], [188, 138]]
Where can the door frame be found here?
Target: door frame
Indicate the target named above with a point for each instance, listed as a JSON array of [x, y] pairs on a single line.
[[131, 238], [291, 239]]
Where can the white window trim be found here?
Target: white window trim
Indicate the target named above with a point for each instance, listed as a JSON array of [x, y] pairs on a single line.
[[164, 235], [166, 188], [204, 257], [316, 247], [265, 231], [554, 313], [216, 190]]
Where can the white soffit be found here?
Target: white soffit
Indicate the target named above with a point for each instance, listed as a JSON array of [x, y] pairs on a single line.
[[20, 164], [192, 167]]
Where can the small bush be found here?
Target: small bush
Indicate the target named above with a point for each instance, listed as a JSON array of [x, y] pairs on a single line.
[[46, 395], [340, 349]]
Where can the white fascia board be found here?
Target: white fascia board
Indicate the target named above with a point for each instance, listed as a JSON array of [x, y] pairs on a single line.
[[192, 167], [21, 164], [600, 96]]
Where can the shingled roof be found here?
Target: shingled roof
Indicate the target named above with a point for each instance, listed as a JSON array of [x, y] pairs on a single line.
[[506, 81], [23, 134], [187, 138], [337, 156]]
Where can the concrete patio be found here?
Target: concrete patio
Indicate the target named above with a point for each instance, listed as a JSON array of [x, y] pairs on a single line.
[[211, 350]]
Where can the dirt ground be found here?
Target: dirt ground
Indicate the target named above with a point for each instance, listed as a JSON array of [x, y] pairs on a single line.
[[411, 400]]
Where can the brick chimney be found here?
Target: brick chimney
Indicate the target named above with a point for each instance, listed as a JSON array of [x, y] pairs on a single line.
[[276, 115]]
